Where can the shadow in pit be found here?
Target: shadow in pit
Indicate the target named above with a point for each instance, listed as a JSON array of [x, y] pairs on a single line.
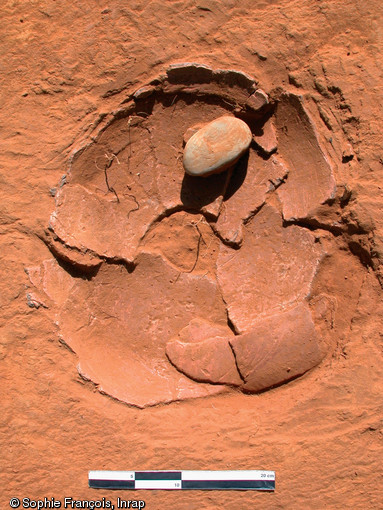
[[197, 192], [238, 177]]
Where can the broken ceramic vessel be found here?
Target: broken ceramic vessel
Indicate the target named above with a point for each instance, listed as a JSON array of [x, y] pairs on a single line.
[[169, 264]]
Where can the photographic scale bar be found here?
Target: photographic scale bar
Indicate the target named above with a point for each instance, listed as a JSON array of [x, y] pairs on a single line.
[[202, 480]]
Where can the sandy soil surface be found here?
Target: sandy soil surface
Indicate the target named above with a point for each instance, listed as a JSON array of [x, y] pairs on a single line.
[[66, 67]]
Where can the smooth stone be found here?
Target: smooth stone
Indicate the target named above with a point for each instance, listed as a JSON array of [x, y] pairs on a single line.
[[217, 146], [192, 131]]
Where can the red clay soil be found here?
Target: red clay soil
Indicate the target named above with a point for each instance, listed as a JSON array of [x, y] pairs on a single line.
[[152, 320]]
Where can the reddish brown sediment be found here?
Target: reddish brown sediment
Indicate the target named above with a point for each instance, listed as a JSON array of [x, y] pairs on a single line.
[[108, 265]]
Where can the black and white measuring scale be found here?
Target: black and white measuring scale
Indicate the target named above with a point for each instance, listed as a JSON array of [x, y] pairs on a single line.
[[203, 480]]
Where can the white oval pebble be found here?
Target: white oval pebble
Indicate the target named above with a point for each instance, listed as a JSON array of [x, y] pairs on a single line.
[[217, 146]]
